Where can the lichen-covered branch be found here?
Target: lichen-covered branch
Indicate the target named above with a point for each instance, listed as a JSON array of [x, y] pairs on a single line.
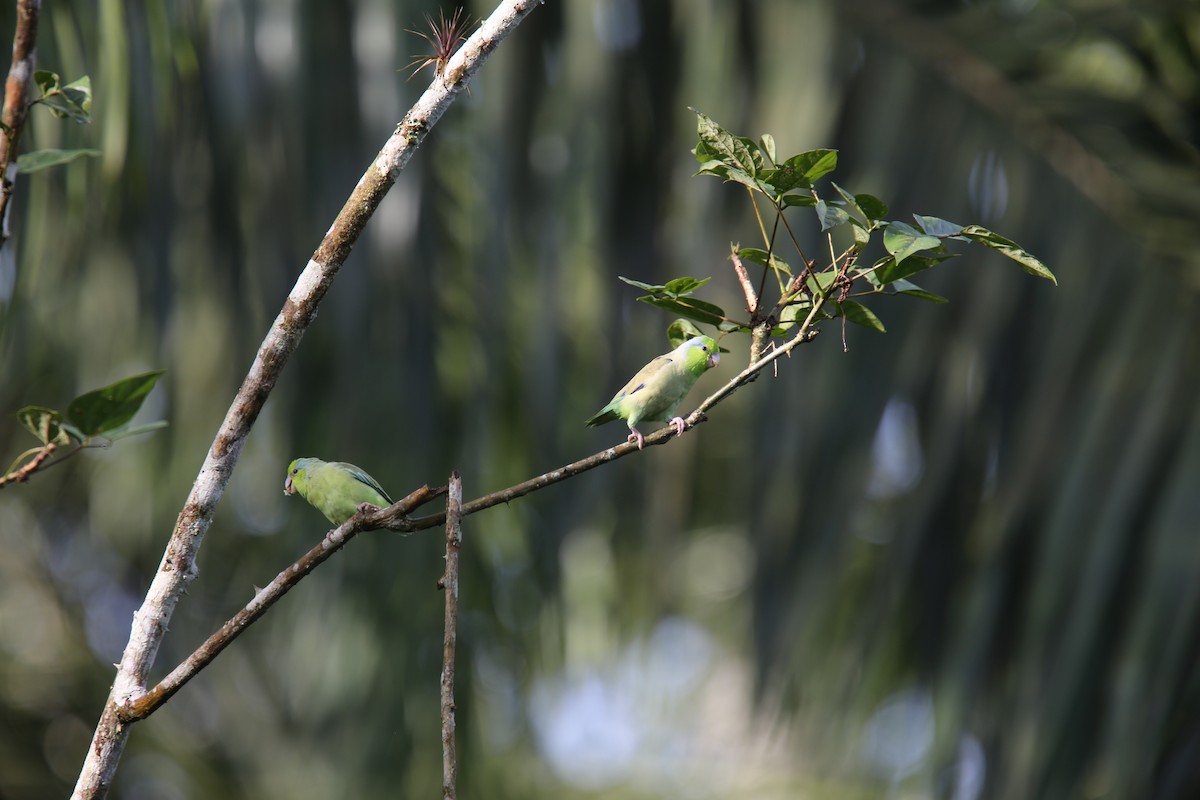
[[178, 566]]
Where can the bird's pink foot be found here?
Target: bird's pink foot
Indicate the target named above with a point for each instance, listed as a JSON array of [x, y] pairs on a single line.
[[636, 437], [677, 424], [366, 508]]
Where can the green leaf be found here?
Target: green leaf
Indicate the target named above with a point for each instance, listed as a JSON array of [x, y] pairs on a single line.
[[739, 157], [861, 315], [813, 164], [110, 407], [935, 226], [912, 290], [73, 101], [806, 200], [649, 287], [680, 331], [46, 80], [800, 171], [683, 286], [767, 142], [830, 216], [44, 159], [44, 423], [791, 315], [821, 281], [871, 206], [689, 307], [757, 256], [893, 271], [1009, 248], [902, 240], [125, 431]]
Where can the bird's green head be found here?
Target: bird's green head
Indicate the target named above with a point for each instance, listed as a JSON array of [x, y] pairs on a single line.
[[700, 353], [297, 475]]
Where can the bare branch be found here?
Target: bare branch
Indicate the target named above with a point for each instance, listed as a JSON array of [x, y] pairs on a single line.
[[178, 566], [16, 101], [21, 474], [743, 277], [449, 582]]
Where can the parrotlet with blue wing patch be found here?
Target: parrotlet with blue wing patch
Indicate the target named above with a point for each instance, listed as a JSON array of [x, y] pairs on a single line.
[[656, 391], [334, 488]]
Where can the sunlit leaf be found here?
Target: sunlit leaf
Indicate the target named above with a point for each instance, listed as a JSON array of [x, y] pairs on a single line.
[[44, 159], [813, 164], [110, 407], [767, 142], [936, 226], [902, 240], [1011, 249]]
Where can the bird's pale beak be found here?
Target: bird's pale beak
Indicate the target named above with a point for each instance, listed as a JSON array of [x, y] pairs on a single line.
[[714, 359], [287, 486]]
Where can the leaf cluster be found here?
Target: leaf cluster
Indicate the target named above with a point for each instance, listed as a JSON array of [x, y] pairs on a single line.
[[94, 419], [71, 101], [837, 285]]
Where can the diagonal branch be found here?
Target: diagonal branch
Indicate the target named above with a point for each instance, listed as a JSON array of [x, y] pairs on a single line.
[[335, 540], [178, 566]]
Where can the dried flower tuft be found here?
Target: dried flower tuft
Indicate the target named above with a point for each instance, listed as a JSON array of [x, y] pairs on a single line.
[[444, 36]]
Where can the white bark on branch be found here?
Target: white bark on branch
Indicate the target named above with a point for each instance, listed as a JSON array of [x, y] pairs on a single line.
[[178, 566]]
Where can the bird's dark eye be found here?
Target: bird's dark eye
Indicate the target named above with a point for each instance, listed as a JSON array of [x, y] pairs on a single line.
[[704, 347], [296, 471]]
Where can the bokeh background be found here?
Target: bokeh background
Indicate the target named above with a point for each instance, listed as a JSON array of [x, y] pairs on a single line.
[[960, 560]]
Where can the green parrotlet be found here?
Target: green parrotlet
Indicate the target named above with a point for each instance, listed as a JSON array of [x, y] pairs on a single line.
[[334, 488], [656, 391]]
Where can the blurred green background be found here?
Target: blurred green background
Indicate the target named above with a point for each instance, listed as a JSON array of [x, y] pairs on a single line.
[[958, 561]]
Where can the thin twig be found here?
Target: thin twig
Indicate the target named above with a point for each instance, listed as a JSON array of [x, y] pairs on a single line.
[[449, 582], [285, 581], [178, 566], [743, 277], [40, 455], [16, 101], [662, 436]]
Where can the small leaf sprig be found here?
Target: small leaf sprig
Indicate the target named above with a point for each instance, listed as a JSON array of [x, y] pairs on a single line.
[[96, 419]]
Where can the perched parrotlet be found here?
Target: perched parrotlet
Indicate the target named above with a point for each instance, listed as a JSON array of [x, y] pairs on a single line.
[[334, 488], [653, 394]]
